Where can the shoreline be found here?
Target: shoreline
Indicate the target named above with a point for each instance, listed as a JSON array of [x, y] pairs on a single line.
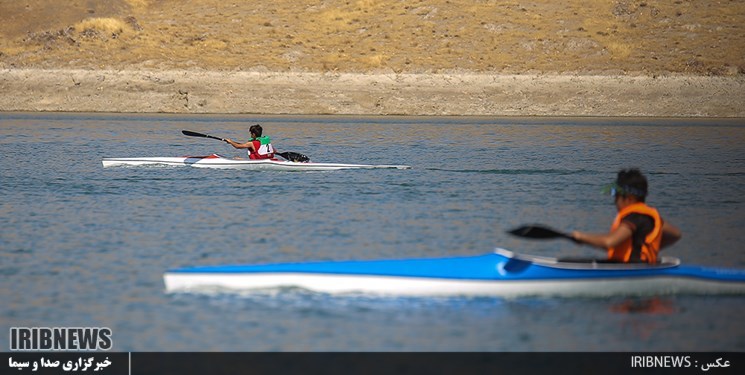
[[281, 93]]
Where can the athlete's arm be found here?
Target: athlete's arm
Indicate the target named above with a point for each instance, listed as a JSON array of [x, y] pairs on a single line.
[[670, 234], [249, 144], [606, 240]]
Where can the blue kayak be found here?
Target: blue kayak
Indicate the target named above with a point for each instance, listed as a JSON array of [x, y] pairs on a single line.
[[501, 273]]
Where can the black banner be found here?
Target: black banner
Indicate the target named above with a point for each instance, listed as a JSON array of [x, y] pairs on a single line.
[[116, 363]]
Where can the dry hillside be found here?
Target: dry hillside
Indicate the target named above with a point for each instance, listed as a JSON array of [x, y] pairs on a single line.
[[702, 37]]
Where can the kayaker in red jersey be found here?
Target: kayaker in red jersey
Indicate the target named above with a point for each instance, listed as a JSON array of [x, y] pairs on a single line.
[[258, 147], [638, 233]]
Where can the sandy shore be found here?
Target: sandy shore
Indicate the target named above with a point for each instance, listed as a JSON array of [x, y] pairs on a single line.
[[196, 91]]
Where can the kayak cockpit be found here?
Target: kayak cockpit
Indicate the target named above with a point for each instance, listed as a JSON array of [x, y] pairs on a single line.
[[584, 263]]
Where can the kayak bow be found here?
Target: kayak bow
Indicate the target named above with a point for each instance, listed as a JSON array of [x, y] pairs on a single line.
[[501, 273], [221, 162]]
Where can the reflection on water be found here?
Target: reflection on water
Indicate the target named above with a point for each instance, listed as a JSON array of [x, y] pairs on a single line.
[[654, 306]]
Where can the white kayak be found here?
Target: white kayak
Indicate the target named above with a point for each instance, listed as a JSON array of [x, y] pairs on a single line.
[[501, 273], [221, 162]]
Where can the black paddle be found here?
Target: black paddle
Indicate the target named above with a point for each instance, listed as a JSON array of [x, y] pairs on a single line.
[[294, 156], [195, 134], [289, 155], [539, 232]]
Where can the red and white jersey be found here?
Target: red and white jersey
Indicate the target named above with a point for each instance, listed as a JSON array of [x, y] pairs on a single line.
[[265, 151]]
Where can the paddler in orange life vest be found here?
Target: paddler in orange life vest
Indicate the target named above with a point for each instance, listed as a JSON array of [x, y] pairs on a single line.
[[638, 233], [258, 147]]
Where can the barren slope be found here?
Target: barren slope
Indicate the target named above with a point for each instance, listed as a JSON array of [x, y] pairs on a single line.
[[582, 36]]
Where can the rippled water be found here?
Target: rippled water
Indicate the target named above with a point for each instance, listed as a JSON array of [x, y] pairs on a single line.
[[85, 246]]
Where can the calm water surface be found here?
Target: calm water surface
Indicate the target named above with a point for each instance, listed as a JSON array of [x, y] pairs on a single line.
[[85, 246]]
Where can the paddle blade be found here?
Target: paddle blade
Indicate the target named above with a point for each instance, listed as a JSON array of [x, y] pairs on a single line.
[[294, 156], [538, 232], [195, 134]]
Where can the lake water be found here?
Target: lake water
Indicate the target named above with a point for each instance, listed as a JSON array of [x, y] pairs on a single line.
[[85, 246]]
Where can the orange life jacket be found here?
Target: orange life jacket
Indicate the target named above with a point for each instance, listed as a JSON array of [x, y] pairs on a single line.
[[651, 245]]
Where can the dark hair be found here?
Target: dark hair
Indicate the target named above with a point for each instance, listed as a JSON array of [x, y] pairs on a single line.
[[256, 130], [632, 182]]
